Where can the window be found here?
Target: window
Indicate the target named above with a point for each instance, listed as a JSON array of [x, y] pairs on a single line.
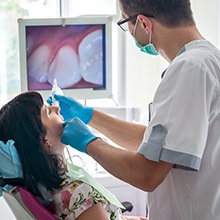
[[10, 10]]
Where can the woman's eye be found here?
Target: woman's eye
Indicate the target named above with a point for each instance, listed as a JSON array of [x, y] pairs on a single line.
[[49, 111]]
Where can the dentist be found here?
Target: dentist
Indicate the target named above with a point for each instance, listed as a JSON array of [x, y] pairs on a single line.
[[176, 157]]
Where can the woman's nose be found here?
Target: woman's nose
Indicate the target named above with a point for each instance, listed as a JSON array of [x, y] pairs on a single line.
[[56, 109]]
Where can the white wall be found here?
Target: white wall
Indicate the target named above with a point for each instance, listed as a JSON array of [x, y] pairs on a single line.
[[206, 14], [143, 71]]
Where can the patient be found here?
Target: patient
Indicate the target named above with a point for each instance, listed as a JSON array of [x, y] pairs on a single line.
[[36, 130]]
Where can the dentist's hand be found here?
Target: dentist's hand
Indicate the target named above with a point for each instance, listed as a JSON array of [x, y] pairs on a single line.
[[77, 134], [70, 108]]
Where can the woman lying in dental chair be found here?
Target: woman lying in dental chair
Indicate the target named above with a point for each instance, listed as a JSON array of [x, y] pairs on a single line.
[[32, 131]]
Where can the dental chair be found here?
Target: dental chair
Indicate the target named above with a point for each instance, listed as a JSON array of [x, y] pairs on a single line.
[[25, 206]]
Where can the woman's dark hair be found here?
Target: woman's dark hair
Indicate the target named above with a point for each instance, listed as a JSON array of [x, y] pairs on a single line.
[[170, 13], [20, 120]]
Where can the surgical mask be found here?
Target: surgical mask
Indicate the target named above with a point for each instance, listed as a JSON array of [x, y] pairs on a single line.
[[149, 48]]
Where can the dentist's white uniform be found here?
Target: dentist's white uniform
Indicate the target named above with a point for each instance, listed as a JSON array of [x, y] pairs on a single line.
[[185, 131]]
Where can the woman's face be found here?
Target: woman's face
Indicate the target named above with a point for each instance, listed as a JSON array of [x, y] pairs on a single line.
[[52, 120]]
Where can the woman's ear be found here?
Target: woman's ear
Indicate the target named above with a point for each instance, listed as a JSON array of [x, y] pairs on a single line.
[[46, 143], [145, 22]]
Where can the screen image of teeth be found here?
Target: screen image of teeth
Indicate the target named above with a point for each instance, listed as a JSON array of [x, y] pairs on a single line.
[[73, 54]]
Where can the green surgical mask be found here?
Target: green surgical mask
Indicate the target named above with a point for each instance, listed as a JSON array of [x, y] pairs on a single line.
[[149, 48]]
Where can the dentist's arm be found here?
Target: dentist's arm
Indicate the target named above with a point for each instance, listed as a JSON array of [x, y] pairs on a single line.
[[125, 134], [129, 166]]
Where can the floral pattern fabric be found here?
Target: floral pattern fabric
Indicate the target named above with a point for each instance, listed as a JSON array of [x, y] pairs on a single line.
[[75, 197]]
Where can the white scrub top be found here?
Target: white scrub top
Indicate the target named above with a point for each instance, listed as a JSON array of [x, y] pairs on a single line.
[[185, 130]]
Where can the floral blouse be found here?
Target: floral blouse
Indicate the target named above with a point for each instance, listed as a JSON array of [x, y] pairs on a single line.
[[75, 197]]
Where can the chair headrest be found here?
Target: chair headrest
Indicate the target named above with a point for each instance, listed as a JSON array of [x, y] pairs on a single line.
[[36, 208], [10, 166]]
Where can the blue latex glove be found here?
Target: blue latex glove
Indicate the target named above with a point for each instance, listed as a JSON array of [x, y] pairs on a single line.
[[70, 108], [77, 134]]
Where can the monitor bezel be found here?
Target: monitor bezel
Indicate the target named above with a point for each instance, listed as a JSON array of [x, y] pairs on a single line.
[[82, 93]]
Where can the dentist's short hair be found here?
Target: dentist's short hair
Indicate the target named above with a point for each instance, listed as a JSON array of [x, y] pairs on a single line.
[[169, 13]]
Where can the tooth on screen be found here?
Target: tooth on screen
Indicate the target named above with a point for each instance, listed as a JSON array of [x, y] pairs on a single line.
[[38, 63], [90, 55], [30, 44], [65, 68]]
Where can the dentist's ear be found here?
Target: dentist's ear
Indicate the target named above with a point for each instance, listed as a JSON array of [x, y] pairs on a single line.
[[145, 23]]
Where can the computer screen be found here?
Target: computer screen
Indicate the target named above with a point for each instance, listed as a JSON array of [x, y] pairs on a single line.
[[77, 52]]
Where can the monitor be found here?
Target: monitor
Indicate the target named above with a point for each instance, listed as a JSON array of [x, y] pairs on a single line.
[[77, 52]]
